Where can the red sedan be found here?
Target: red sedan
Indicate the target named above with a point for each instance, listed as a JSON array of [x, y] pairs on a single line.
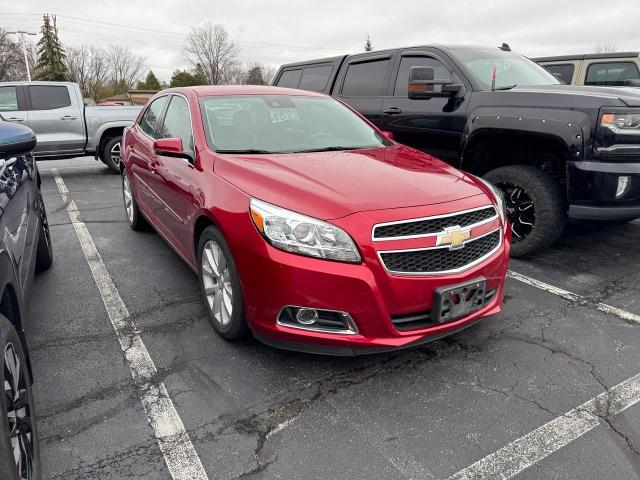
[[310, 227]]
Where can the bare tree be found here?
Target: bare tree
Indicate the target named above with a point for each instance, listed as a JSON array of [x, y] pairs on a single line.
[[12, 65], [126, 67], [211, 47], [606, 47], [89, 67]]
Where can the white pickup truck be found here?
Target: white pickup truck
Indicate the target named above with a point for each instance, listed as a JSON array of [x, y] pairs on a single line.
[[64, 126]]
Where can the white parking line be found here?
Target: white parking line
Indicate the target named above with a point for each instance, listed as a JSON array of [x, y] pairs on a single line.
[[574, 297], [559, 432], [178, 451]]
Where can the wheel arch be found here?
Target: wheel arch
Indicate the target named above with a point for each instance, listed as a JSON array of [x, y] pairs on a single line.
[[203, 221], [106, 134]]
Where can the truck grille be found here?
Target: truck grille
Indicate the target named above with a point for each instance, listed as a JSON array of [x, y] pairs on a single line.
[[432, 225], [441, 260]]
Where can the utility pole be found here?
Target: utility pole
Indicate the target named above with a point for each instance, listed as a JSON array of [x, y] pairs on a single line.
[[22, 33]]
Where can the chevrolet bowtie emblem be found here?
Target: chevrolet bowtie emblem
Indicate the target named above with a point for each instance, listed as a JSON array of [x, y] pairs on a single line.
[[454, 237]]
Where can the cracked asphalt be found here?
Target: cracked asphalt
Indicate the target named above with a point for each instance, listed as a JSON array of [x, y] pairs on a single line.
[[253, 412]]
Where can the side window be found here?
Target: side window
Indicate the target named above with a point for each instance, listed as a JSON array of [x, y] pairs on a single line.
[[8, 99], [365, 79], [315, 78], [613, 74], [290, 79], [49, 97], [150, 119], [563, 71], [177, 122], [402, 80]]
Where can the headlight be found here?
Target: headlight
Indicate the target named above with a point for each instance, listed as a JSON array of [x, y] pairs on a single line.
[[499, 198], [618, 131], [296, 233]]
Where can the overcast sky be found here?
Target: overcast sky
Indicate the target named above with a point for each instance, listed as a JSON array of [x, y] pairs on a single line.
[[277, 32]]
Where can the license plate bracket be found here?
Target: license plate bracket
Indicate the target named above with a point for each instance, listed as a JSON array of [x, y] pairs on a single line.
[[456, 301]]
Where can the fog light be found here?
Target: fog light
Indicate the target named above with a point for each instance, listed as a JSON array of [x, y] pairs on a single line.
[[624, 185], [307, 316]]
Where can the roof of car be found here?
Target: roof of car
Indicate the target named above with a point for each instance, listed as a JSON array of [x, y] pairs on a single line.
[[587, 56], [212, 90]]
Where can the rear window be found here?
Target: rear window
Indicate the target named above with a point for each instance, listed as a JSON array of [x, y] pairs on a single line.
[[8, 99], [290, 79], [315, 78], [612, 74], [365, 79], [564, 71], [49, 97]]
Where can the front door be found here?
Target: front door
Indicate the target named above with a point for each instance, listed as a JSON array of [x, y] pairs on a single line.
[[13, 107]]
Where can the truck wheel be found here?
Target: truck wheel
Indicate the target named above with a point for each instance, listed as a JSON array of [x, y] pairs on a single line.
[[110, 154], [536, 207]]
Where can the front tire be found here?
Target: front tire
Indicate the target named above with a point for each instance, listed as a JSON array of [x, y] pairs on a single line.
[[536, 207], [110, 153], [19, 446], [220, 286], [135, 218]]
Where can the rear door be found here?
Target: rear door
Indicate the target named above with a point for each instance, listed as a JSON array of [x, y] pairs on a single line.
[[13, 107], [56, 116], [435, 125], [362, 83]]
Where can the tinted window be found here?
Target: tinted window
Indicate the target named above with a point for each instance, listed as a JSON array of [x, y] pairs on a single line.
[[402, 80], [564, 72], [8, 99], [315, 78], [44, 97], [290, 79], [150, 119], [611, 73], [177, 122], [365, 79]]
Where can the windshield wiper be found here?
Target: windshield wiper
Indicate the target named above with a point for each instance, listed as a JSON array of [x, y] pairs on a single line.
[[328, 149], [506, 87], [246, 151]]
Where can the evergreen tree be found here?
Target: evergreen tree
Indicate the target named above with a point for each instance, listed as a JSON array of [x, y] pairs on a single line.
[[50, 65], [199, 75], [150, 83], [182, 78], [368, 44], [255, 76]]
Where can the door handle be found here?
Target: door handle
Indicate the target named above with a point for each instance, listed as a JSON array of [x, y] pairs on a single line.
[[392, 111], [15, 119], [68, 117]]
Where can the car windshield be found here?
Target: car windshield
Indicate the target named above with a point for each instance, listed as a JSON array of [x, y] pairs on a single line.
[[284, 124], [511, 69]]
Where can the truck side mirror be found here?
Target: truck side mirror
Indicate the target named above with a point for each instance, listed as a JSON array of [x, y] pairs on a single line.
[[424, 85], [15, 140], [632, 82]]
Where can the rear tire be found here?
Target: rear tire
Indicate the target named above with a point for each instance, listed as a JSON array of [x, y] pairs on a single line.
[[18, 416], [535, 204], [44, 254], [135, 218], [220, 286], [110, 153]]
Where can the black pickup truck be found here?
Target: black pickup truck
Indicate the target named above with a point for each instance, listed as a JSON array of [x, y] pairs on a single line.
[[556, 151]]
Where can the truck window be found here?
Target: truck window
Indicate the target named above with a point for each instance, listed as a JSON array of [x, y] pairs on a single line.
[[365, 79], [8, 99], [150, 119], [402, 80], [290, 79], [613, 74], [177, 122], [316, 77], [563, 71], [49, 97]]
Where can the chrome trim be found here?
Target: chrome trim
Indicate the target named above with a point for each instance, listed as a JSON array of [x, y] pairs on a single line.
[[443, 272], [352, 330], [425, 235]]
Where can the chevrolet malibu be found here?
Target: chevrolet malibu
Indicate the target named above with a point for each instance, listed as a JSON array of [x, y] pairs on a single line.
[[308, 226]]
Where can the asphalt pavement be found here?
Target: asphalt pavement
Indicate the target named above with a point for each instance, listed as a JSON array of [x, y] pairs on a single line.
[[549, 389]]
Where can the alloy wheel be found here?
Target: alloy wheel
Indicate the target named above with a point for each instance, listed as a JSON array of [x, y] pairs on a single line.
[[115, 154], [128, 197], [18, 413], [521, 210], [216, 277]]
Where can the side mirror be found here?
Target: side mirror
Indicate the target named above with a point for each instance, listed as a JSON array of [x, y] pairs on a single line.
[[171, 147], [424, 85], [387, 135], [632, 82], [15, 140]]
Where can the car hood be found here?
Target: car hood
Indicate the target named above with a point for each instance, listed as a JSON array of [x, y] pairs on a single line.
[[331, 185]]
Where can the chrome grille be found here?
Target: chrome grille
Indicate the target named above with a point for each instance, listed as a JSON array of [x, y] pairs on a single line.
[[441, 259], [432, 225]]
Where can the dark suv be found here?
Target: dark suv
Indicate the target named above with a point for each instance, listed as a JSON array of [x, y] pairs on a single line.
[[25, 247], [555, 150]]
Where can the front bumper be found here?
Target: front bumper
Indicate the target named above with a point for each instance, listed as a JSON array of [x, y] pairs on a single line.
[[593, 190]]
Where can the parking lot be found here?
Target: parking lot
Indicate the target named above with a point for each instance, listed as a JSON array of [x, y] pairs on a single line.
[[546, 390]]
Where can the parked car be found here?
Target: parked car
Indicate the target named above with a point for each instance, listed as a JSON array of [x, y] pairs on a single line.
[[309, 226], [25, 249], [595, 69], [556, 151], [64, 125]]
